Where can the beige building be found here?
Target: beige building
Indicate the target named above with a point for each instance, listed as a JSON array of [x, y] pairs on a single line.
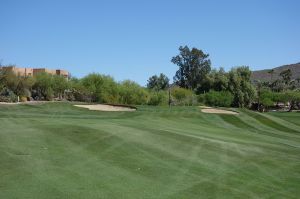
[[29, 72], [63, 73], [43, 70], [24, 72]]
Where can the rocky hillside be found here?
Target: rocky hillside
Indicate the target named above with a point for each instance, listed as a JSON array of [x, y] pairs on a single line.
[[264, 75]]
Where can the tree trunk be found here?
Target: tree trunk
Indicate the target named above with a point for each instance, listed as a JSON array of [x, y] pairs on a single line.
[[291, 106]]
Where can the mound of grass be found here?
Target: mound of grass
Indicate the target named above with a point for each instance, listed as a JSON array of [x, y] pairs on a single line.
[[56, 150]]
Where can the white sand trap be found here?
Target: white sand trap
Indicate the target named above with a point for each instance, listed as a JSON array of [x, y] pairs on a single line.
[[218, 111], [204, 107], [28, 102], [7, 103], [103, 107]]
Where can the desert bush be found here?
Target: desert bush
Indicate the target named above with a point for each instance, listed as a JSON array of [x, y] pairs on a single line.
[[42, 88], [158, 98], [23, 99], [7, 95], [77, 92], [182, 96], [218, 98], [266, 98], [132, 93], [49, 94], [59, 85], [201, 99], [293, 97], [101, 87]]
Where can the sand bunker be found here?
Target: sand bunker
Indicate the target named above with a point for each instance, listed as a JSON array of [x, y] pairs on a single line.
[[218, 111], [103, 107], [28, 102], [7, 103], [204, 107]]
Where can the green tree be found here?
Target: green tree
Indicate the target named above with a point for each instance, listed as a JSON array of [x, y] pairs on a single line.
[[278, 85], [20, 86], [293, 97], [194, 65], [9, 80], [132, 93], [2, 84], [78, 92], [43, 86], [157, 83], [158, 98], [240, 86], [25, 86], [297, 83], [102, 88], [218, 98], [286, 76], [271, 72], [266, 99], [182, 96], [59, 86], [219, 80]]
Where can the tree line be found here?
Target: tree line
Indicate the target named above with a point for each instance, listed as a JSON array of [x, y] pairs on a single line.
[[91, 88], [216, 87], [195, 82]]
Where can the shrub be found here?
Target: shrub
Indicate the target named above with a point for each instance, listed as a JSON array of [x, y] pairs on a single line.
[[23, 99], [182, 96], [201, 98], [158, 98], [267, 98], [215, 98], [293, 99], [43, 87], [7, 95], [132, 93], [102, 88], [49, 94]]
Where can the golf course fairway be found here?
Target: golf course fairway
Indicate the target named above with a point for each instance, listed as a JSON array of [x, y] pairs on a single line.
[[57, 150]]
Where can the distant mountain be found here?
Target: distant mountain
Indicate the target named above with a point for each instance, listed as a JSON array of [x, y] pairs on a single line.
[[264, 75]]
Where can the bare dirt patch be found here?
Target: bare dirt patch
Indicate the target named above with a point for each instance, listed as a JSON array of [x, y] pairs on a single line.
[[104, 107], [218, 111]]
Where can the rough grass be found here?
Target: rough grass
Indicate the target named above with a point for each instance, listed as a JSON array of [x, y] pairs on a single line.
[[56, 150]]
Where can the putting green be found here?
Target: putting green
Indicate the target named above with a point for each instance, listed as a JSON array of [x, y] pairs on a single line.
[[56, 150]]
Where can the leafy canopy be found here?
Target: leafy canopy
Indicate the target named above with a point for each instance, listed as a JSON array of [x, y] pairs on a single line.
[[157, 83], [194, 65]]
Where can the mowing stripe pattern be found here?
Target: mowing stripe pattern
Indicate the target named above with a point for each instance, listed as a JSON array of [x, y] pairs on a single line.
[[56, 150]]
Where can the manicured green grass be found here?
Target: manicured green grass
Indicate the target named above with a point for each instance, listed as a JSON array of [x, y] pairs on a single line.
[[56, 150]]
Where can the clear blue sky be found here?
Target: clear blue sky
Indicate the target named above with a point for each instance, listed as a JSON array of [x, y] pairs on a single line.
[[136, 39]]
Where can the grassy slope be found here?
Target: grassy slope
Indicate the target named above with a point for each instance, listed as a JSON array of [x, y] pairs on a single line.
[[58, 151]]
